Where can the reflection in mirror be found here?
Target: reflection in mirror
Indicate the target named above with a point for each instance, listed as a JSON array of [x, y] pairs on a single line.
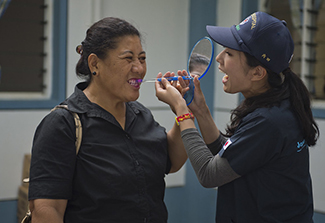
[[199, 62], [201, 57]]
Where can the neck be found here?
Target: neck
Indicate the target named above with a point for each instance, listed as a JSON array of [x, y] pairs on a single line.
[[116, 108], [257, 89]]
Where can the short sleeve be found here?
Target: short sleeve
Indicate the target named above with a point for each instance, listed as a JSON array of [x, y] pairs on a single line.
[[53, 157], [256, 141]]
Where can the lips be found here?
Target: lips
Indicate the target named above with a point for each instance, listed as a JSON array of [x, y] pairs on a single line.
[[134, 82], [225, 78]]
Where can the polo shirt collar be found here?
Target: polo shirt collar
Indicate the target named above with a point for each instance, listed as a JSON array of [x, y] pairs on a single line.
[[79, 103]]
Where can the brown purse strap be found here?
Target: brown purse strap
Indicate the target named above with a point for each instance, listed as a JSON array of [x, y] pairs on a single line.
[[77, 123]]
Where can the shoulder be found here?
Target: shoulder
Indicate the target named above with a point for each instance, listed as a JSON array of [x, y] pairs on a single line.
[[273, 119], [58, 120], [60, 113], [274, 114]]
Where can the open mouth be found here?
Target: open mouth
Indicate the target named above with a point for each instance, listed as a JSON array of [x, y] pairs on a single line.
[[135, 82], [225, 78]]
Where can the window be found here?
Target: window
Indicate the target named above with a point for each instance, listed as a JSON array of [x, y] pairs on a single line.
[[307, 26], [32, 55]]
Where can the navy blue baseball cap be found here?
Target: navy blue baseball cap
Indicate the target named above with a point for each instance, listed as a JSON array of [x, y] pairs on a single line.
[[261, 35]]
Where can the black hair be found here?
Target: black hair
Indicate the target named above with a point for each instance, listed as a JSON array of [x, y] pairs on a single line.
[[101, 37], [290, 87], [198, 59]]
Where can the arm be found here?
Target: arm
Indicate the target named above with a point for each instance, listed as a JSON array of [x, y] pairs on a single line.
[[211, 171], [217, 145], [47, 210], [167, 93], [176, 150]]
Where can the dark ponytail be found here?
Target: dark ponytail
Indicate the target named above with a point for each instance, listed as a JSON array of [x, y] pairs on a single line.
[[290, 87], [300, 102]]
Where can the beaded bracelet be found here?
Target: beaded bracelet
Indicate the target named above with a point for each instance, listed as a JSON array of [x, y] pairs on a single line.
[[184, 117]]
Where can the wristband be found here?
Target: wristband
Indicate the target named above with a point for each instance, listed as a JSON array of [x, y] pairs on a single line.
[[184, 117]]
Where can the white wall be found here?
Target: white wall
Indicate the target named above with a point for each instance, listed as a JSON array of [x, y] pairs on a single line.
[[317, 168]]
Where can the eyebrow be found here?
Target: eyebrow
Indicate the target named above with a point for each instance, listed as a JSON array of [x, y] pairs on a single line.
[[128, 51]]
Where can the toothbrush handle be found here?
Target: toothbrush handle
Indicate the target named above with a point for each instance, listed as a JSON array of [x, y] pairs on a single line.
[[175, 78]]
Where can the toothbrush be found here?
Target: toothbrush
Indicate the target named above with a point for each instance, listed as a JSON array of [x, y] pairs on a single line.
[[168, 78]]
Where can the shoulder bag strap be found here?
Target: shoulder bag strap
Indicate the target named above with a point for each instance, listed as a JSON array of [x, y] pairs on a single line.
[[78, 125]]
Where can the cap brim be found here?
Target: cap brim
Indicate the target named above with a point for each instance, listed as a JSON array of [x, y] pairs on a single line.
[[223, 36]]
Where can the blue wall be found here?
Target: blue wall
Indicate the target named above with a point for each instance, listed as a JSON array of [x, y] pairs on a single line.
[[8, 211], [193, 203]]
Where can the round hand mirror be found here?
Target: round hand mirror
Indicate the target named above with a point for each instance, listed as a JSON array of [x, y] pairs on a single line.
[[199, 62]]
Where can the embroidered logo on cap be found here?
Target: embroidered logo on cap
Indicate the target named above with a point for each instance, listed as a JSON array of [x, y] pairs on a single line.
[[253, 21], [266, 58], [242, 23]]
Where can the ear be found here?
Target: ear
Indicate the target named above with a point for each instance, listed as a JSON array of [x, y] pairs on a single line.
[[259, 73], [93, 62]]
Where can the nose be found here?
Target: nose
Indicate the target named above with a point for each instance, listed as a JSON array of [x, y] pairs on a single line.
[[138, 67], [219, 57]]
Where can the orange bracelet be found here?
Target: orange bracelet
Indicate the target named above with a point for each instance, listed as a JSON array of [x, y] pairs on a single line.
[[184, 117]]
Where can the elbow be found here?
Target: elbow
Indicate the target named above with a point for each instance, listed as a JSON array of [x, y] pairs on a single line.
[[207, 184], [174, 169], [208, 180]]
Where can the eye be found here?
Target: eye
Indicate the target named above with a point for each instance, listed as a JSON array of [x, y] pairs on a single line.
[[227, 52], [142, 59]]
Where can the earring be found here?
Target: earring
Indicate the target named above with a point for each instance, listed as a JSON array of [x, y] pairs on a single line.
[[94, 73]]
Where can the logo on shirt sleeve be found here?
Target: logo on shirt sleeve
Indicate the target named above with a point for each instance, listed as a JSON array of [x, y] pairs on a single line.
[[228, 143], [225, 146]]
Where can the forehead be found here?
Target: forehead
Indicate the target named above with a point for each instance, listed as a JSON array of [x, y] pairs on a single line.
[[129, 42]]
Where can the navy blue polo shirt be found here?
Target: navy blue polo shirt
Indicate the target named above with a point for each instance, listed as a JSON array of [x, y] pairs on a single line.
[[270, 153], [118, 175]]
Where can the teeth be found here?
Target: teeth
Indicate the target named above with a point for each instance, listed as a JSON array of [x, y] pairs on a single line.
[[134, 82]]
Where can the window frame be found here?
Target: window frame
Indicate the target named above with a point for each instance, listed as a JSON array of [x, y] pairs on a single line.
[[317, 105], [59, 64]]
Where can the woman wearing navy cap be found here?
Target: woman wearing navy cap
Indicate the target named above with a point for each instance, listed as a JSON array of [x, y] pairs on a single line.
[[261, 163]]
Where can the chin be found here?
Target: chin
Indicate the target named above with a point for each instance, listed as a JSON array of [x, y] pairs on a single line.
[[134, 98]]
